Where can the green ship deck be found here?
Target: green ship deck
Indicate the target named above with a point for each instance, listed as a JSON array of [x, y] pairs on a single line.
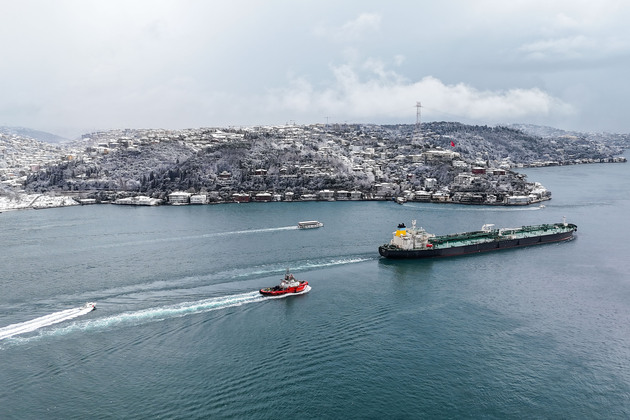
[[476, 237]]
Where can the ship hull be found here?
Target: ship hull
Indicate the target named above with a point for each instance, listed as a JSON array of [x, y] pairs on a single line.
[[277, 291], [396, 253]]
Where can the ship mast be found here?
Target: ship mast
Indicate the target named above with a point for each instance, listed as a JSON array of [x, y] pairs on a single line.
[[413, 232]]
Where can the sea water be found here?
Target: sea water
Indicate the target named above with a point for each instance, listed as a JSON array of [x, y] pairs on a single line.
[[180, 330]]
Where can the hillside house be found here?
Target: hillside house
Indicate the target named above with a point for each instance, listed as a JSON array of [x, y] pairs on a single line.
[[199, 199], [179, 198], [342, 195], [327, 195]]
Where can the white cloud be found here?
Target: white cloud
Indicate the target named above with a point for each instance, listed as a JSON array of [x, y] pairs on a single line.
[[577, 47], [583, 31], [399, 59], [107, 63], [574, 47], [352, 30], [386, 95]]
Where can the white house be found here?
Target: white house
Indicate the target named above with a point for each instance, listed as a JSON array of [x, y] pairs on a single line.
[[199, 199], [179, 198], [326, 195]]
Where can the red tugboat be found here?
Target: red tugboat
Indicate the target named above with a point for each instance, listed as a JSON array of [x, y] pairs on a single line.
[[288, 285]]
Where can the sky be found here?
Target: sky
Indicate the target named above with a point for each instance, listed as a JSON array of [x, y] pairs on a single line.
[[71, 67]]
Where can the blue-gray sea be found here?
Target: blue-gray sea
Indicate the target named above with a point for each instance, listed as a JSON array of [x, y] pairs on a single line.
[[181, 332]]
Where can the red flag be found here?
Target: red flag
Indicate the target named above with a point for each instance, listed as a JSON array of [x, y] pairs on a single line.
[[452, 144]]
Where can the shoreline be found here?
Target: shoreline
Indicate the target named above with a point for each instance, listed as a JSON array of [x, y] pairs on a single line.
[[23, 201], [43, 201]]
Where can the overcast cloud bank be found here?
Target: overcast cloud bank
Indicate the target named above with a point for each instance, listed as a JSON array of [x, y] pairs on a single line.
[[71, 67]]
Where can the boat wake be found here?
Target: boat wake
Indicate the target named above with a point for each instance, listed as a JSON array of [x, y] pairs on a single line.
[[174, 311], [44, 321], [194, 237], [241, 232], [309, 265], [134, 318], [218, 283], [298, 265]]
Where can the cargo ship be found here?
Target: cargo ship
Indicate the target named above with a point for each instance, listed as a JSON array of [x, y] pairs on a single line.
[[417, 243]]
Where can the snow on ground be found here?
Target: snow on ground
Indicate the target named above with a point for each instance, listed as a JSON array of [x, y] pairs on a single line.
[[20, 201]]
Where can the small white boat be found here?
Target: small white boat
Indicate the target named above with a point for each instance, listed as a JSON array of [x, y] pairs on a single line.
[[310, 224], [91, 305]]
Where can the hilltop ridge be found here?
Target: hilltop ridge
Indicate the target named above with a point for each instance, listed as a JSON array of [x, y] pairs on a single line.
[[38, 135]]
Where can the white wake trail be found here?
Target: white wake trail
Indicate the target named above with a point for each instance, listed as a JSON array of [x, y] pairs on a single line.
[[160, 313], [43, 321], [138, 317]]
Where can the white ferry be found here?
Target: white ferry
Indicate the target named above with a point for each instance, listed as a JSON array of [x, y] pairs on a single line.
[[310, 224]]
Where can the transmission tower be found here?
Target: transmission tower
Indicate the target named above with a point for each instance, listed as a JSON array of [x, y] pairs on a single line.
[[417, 132]]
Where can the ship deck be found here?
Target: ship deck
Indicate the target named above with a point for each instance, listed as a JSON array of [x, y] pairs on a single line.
[[471, 238]]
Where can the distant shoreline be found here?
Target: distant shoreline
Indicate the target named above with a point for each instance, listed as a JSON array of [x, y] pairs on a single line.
[[43, 201]]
